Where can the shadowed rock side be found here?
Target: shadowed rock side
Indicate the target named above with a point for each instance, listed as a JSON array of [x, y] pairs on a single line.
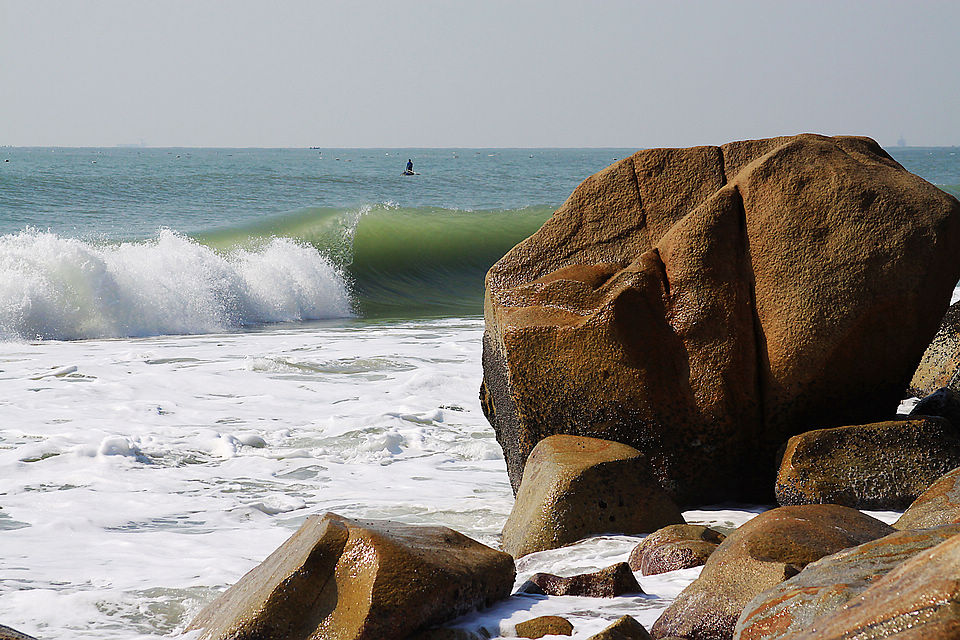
[[940, 364], [827, 584], [704, 304], [353, 580], [768, 549], [884, 465]]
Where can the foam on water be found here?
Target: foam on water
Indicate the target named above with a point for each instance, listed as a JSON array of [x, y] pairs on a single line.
[[53, 287]]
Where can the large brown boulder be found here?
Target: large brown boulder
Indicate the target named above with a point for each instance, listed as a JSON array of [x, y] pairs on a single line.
[[703, 305], [762, 553], [574, 487], [827, 584], [919, 600], [938, 505], [358, 579], [884, 465], [940, 363]]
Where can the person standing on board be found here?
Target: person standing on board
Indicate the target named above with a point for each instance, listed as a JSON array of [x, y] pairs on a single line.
[[409, 168]]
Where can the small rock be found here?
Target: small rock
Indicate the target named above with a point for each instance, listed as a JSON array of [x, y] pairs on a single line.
[[611, 582], [679, 546], [942, 403], [762, 553], [883, 465], [939, 504], [574, 487], [544, 626], [626, 628], [6, 633], [357, 580]]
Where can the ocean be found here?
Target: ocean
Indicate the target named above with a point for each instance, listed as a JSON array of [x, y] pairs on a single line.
[[199, 348]]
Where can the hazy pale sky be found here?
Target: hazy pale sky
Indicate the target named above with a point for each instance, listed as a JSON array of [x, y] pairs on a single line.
[[428, 73]]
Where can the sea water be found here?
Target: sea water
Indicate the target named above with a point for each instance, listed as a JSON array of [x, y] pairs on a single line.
[[203, 347]]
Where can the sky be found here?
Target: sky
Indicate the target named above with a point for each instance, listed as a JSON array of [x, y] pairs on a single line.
[[477, 73]]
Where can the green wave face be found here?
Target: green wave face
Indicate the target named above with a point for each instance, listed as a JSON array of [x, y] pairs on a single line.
[[401, 263]]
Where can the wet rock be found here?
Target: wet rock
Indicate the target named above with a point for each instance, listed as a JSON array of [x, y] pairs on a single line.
[[916, 601], [703, 305], [942, 403], [827, 584], [679, 546], [938, 505], [359, 579], [626, 628], [610, 582], [884, 465], [6, 633], [544, 626], [574, 487], [941, 361], [765, 551]]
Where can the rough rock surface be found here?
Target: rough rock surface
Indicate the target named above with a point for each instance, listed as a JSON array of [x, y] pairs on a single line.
[[625, 628], [940, 364], [703, 305], [938, 505], [610, 582], [359, 579], [679, 546], [762, 553], [827, 584], [574, 487], [942, 403], [916, 601], [6, 633], [884, 465], [544, 626]]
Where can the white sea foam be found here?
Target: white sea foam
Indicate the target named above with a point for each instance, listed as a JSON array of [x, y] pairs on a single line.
[[53, 287]]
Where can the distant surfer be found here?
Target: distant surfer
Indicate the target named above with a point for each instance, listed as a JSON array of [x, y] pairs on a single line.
[[409, 170]]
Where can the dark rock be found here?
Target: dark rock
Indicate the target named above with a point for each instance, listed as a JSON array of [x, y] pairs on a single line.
[[827, 584], [611, 582], [574, 487], [940, 363], [703, 305], [884, 465], [765, 551], [359, 579], [942, 403], [625, 628], [679, 546], [544, 626], [6, 633], [938, 505], [916, 601]]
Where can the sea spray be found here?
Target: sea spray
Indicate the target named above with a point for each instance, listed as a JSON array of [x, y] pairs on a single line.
[[59, 288]]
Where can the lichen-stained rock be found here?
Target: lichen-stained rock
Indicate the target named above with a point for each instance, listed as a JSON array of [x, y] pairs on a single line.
[[762, 553], [940, 364], [827, 584], [679, 546], [703, 305], [610, 582], [884, 465], [574, 487], [544, 626], [919, 600], [625, 628], [358, 580], [938, 505]]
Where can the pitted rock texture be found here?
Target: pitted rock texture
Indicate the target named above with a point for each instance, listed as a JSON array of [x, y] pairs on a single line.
[[884, 465], [679, 546], [625, 628], [916, 601], [703, 305], [938, 505], [763, 552], [827, 584], [544, 626], [574, 487], [940, 365], [610, 582], [359, 579]]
